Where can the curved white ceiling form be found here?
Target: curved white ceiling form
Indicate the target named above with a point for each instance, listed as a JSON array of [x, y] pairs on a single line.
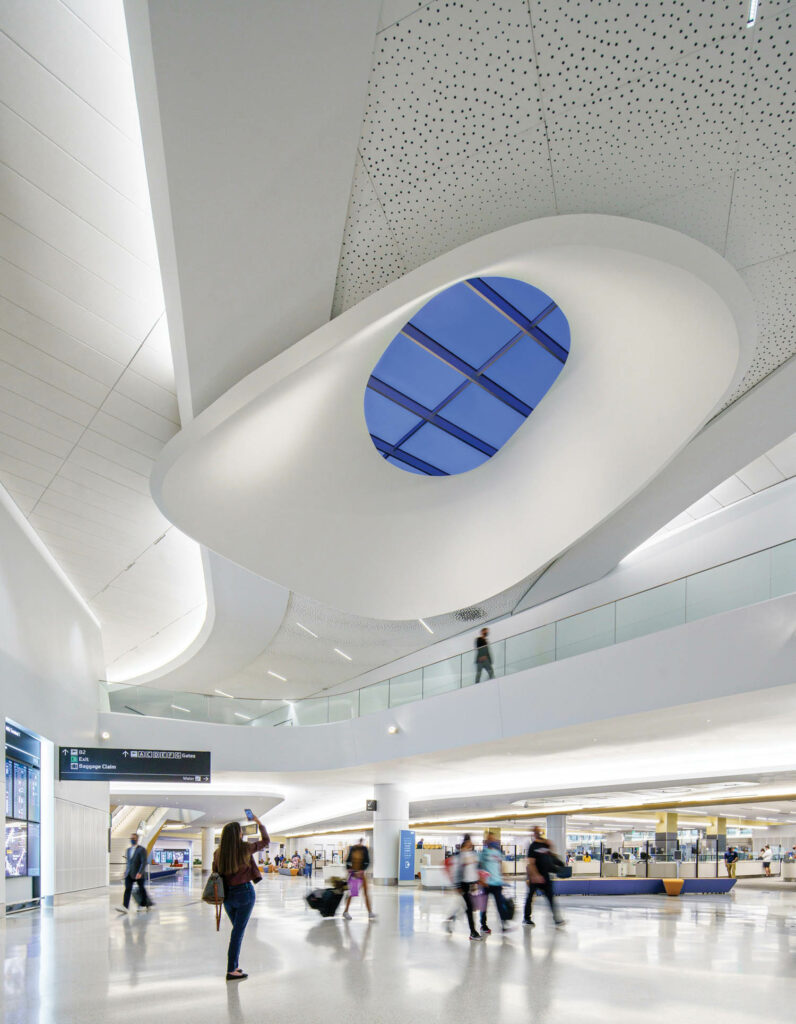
[[279, 474]]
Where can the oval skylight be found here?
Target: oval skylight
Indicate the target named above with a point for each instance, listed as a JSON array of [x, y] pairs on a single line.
[[464, 374]]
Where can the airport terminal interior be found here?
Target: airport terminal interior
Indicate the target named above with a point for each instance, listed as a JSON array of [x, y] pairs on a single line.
[[398, 510]]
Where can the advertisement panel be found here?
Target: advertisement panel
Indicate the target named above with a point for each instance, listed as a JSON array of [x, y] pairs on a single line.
[[16, 849], [406, 856]]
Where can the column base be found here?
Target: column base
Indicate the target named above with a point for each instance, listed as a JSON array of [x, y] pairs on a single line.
[[385, 881]]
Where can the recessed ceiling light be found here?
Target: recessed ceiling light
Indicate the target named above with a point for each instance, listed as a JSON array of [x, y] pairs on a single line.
[[753, 5], [343, 654], [276, 675], [223, 693], [392, 729], [179, 707], [105, 735], [307, 630], [425, 625], [246, 718]]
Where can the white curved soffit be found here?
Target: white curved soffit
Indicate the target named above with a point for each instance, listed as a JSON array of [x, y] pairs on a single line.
[[280, 474], [243, 614]]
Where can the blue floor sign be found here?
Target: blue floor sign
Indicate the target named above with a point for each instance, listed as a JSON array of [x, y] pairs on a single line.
[[406, 856]]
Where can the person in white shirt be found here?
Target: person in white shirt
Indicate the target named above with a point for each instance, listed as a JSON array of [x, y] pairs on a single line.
[[766, 855], [464, 877]]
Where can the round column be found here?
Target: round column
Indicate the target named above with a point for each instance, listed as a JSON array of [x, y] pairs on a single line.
[[556, 832], [391, 815], [208, 848]]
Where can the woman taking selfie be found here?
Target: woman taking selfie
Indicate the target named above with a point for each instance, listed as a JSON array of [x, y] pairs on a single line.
[[234, 861]]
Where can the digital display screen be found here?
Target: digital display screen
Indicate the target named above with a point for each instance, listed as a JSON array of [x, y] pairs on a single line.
[[20, 791], [34, 794], [16, 849], [34, 848], [9, 787]]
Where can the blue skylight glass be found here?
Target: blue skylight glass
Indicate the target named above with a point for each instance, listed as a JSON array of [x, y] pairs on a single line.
[[462, 322], [527, 370], [463, 375]]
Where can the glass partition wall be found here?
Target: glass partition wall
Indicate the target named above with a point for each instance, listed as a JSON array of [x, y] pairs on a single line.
[[757, 577]]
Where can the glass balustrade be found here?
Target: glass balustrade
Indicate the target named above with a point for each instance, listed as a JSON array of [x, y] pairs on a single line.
[[736, 584]]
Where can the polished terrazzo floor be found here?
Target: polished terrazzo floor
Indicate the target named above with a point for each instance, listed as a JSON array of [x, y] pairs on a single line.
[[730, 959]]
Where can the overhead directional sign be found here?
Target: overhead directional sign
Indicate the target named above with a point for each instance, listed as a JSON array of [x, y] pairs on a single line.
[[98, 764]]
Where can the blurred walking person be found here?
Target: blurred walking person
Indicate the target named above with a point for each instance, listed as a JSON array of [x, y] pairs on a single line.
[[358, 861], [464, 875], [541, 861], [491, 865], [134, 875], [483, 655]]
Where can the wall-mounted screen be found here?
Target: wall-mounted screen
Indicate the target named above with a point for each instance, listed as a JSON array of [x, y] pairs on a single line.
[[9, 786], [34, 794], [20, 791], [34, 848], [16, 849]]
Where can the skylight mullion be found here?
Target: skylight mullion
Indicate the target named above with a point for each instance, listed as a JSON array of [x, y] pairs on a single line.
[[442, 353], [429, 416], [411, 460], [516, 317]]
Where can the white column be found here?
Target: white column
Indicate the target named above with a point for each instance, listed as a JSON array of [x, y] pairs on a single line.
[[390, 816], [556, 832], [208, 848]]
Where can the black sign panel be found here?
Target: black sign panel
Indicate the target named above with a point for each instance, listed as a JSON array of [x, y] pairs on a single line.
[[22, 746], [98, 764]]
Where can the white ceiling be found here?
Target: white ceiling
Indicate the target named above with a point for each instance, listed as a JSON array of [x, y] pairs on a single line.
[[773, 468], [692, 127], [676, 114], [87, 396]]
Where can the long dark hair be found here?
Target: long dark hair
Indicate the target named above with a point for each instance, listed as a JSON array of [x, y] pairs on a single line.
[[233, 850]]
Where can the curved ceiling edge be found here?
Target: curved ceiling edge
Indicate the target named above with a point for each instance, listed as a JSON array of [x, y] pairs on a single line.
[[220, 482], [244, 612]]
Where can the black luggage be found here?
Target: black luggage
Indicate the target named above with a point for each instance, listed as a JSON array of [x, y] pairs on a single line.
[[325, 901]]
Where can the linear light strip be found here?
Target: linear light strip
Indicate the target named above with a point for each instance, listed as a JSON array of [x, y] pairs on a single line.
[[753, 6], [306, 630]]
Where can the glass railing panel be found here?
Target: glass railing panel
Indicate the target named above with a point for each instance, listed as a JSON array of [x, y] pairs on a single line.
[[406, 688], [280, 715], [725, 587], [650, 611], [527, 650], [312, 711], [585, 632], [498, 650], [375, 697], [148, 700], [783, 569], [343, 706], [442, 676]]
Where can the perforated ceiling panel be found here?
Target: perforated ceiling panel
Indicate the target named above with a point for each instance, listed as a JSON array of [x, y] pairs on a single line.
[[481, 116]]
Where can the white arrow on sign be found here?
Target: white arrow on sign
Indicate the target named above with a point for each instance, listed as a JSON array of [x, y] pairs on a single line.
[[124, 753]]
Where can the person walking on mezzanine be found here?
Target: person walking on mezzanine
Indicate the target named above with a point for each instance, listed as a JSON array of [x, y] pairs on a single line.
[[483, 656]]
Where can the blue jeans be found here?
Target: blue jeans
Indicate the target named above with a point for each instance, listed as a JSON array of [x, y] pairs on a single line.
[[239, 904]]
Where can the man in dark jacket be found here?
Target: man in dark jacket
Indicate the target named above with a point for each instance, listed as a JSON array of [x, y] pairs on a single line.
[[539, 869], [358, 862], [134, 874]]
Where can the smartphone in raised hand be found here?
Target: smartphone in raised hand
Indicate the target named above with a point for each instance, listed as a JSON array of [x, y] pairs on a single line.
[[249, 813]]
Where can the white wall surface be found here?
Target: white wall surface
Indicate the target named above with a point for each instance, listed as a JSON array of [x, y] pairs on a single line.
[[745, 650], [50, 661]]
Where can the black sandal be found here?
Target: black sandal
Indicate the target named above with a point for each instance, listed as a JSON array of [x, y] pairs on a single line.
[[237, 977]]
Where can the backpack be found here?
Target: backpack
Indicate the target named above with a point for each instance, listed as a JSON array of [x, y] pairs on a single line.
[[214, 893]]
